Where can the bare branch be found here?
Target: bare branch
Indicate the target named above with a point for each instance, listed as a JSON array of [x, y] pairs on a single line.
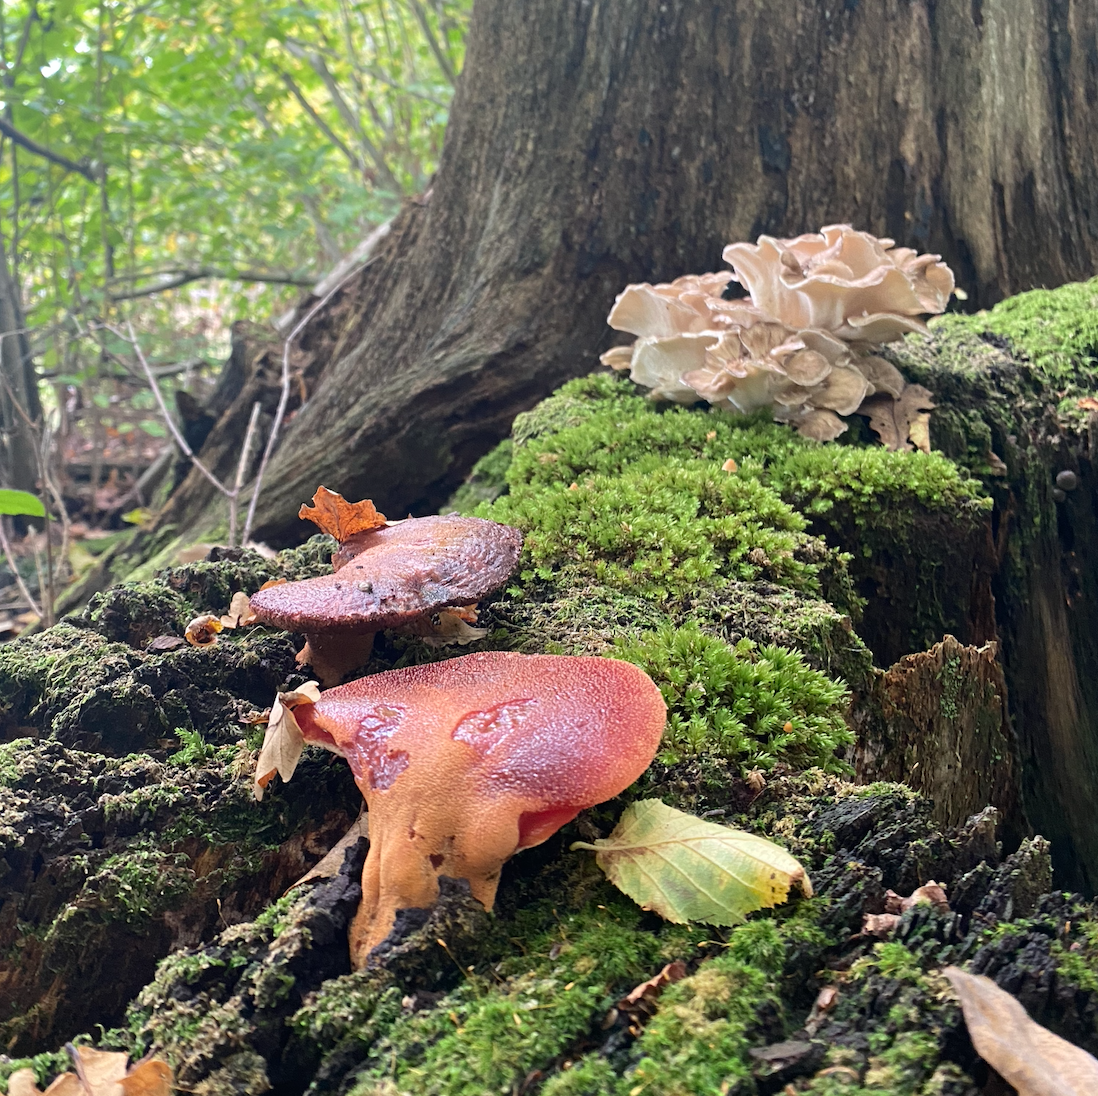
[[355, 161], [173, 279], [284, 398], [10, 557], [177, 437], [348, 115], [82, 168], [443, 60]]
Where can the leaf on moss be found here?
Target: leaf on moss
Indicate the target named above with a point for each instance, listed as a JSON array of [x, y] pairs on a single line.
[[1026, 1055], [687, 869], [202, 631], [283, 742], [240, 611], [333, 514], [903, 420], [99, 1073]]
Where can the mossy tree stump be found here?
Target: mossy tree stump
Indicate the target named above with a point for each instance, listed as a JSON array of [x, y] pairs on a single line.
[[785, 608]]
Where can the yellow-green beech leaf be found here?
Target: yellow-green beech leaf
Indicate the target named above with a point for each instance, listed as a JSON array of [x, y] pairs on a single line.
[[687, 869]]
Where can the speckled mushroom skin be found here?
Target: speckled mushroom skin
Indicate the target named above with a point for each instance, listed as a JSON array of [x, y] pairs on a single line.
[[464, 762], [389, 576]]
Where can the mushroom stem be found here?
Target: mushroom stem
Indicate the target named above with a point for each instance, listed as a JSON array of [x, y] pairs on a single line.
[[333, 655], [411, 846]]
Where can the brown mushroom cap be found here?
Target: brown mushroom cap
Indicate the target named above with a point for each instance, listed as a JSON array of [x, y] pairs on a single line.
[[391, 575], [464, 762]]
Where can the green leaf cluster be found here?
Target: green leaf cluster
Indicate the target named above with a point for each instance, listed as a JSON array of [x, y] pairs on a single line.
[[737, 701]]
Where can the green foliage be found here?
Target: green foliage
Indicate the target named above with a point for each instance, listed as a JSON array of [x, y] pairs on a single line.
[[21, 503], [260, 139], [195, 749], [664, 527], [46, 1066], [736, 701]]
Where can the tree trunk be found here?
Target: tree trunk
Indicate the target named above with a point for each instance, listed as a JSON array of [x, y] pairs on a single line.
[[19, 404], [595, 144]]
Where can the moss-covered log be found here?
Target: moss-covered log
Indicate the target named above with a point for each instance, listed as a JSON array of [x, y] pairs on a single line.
[[783, 602]]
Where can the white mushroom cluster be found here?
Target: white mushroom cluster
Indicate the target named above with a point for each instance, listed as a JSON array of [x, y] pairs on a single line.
[[801, 343]]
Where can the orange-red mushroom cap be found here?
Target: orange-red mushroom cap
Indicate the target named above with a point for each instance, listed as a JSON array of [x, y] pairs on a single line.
[[464, 762], [393, 574]]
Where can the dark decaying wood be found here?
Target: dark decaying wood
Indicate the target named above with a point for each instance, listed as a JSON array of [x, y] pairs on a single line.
[[943, 731], [595, 144]]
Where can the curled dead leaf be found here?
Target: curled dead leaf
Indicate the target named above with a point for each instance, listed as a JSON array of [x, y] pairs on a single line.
[[452, 626], [240, 611], [931, 893], [202, 631], [1025, 1054], [283, 743], [334, 515], [902, 422], [881, 925], [639, 1002], [328, 867]]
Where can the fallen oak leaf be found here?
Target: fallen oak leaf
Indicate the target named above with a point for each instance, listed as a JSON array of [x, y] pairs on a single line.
[[202, 631], [333, 514], [1025, 1054], [283, 743], [687, 869], [446, 627], [901, 420], [240, 611]]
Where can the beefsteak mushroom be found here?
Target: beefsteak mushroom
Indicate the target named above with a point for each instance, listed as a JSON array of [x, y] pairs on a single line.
[[390, 576], [463, 763]]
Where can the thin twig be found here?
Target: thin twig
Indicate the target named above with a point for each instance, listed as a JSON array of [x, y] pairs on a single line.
[[177, 437], [241, 466], [10, 557], [284, 398]]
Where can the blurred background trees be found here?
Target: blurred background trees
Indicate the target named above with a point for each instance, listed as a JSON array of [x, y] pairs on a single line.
[[179, 164]]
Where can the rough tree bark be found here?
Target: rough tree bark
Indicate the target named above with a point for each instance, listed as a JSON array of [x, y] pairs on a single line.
[[595, 144]]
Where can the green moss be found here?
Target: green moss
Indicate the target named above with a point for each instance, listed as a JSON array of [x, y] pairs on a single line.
[[46, 1067], [493, 1030], [276, 916], [662, 529], [756, 705], [1057, 329], [699, 1038]]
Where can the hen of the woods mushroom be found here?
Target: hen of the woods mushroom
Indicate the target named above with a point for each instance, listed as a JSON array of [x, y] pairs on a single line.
[[802, 342]]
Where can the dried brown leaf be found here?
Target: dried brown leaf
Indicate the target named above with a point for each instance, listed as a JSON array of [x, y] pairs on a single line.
[[1088, 403], [901, 421], [1025, 1054], [165, 643], [283, 742], [202, 631], [99, 1073], [328, 867], [647, 992], [333, 514], [240, 611]]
